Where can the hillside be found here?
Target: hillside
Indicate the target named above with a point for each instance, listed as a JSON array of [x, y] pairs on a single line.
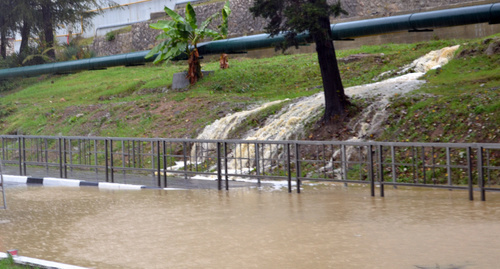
[[460, 102]]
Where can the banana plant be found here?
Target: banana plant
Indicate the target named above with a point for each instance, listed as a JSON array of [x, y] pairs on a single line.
[[182, 35]]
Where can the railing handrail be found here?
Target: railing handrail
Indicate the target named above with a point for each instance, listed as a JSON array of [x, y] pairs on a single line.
[[283, 142]]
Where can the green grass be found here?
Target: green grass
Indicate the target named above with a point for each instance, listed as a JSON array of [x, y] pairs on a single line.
[[138, 101], [8, 263], [459, 103]]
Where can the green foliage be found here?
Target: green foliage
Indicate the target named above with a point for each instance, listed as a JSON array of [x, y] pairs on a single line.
[[33, 55], [223, 27], [459, 102], [181, 35], [110, 36], [9, 263], [73, 51], [38, 18], [294, 17], [43, 55], [7, 109]]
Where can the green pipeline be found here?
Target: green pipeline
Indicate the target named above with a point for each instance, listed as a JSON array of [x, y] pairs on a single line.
[[341, 31]]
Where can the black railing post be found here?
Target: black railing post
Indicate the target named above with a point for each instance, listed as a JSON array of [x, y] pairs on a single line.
[[423, 165], [469, 174], [20, 150], [393, 166], [257, 163], [225, 166], [219, 169], [133, 154], [414, 165], [381, 170], [111, 161], [370, 170], [69, 150], [3, 149], [289, 167], [65, 165], [164, 163], [60, 157], [297, 165], [480, 173], [344, 164], [158, 166], [106, 164], [184, 152], [96, 159], [46, 155], [448, 165], [24, 156]]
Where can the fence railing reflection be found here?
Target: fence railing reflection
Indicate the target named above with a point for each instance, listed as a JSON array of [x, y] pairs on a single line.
[[153, 161]]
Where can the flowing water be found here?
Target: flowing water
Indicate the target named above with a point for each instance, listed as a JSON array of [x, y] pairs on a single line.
[[324, 227], [290, 122], [292, 119]]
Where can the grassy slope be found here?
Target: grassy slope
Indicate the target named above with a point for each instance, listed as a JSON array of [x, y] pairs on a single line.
[[460, 102], [137, 101]]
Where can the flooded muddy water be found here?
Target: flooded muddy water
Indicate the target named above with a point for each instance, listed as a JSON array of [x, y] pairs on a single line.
[[323, 227]]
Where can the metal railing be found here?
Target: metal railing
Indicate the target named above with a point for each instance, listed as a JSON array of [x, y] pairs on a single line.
[[157, 161], [2, 189]]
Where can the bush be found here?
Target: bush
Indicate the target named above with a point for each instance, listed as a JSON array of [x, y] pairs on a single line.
[[74, 51], [110, 36]]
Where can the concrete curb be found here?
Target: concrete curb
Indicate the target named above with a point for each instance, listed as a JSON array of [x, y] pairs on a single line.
[[38, 262], [50, 181]]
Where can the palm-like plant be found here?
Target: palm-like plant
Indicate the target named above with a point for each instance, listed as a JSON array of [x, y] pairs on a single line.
[[181, 36]]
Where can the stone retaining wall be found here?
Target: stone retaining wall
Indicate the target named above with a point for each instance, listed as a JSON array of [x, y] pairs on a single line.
[[242, 23]]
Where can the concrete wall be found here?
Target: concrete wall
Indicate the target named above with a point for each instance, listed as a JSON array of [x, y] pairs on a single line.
[[130, 11], [242, 23]]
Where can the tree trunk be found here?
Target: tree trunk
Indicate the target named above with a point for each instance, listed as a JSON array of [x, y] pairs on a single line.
[[194, 72], [335, 99], [25, 35], [223, 61], [48, 29], [3, 41]]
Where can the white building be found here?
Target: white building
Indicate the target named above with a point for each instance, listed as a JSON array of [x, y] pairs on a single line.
[[128, 12]]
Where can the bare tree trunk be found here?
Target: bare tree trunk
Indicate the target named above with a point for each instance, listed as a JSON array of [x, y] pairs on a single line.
[[223, 61], [194, 72], [48, 29], [3, 41], [335, 99], [25, 35]]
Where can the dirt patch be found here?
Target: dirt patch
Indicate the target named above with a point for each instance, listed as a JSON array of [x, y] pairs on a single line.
[[359, 57], [469, 53], [489, 47], [337, 129], [493, 48], [163, 117]]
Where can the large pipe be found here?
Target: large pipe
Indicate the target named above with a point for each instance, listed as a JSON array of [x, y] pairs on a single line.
[[412, 22]]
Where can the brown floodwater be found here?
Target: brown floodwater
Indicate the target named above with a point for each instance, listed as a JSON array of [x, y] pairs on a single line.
[[323, 227]]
